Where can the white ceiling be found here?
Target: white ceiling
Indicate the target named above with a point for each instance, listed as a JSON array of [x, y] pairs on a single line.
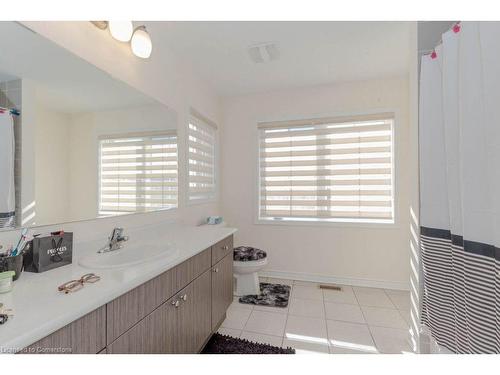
[[311, 53]]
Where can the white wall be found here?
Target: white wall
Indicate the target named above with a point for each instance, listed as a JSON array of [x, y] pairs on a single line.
[[416, 277], [161, 77], [377, 255], [51, 166]]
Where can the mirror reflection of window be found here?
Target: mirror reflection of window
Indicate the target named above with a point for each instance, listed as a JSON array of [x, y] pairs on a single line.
[[202, 164], [138, 173]]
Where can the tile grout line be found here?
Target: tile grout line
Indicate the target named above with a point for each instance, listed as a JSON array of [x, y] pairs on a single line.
[[390, 299], [367, 325], [325, 319], [246, 321], [287, 313], [330, 348]]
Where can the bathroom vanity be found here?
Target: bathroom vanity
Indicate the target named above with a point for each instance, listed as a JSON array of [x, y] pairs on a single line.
[[163, 305], [175, 312]]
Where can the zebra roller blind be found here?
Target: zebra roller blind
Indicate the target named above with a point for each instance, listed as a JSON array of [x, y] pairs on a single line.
[[202, 141], [337, 169], [138, 173]]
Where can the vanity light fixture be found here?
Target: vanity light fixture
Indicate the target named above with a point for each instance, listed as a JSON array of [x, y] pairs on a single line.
[[141, 43], [121, 30]]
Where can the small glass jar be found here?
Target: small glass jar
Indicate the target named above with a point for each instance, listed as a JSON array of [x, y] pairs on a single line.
[[6, 281]]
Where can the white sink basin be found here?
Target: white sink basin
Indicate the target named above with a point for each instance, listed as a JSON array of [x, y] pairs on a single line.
[[129, 255]]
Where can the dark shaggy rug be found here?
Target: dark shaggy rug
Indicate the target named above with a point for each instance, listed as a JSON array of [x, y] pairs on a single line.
[[275, 295], [222, 344]]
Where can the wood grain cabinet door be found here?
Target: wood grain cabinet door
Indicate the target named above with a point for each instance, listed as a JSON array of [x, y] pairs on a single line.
[[199, 324], [222, 288], [86, 335], [127, 310], [189, 317], [146, 337], [180, 326]]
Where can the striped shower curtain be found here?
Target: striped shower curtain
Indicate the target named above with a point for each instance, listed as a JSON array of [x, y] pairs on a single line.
[[459, 129]]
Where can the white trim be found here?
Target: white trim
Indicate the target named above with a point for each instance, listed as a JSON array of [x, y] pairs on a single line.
[[317, 278], [324, 223]]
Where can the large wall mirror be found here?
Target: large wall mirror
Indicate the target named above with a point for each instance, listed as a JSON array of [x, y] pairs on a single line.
[[75, 143]]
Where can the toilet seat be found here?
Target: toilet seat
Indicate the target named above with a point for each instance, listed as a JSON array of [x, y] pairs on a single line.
[[248, 254]]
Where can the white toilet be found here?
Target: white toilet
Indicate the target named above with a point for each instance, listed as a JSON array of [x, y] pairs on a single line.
[[247, 264]]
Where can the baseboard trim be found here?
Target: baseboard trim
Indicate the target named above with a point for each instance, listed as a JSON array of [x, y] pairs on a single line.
[[336, 280]]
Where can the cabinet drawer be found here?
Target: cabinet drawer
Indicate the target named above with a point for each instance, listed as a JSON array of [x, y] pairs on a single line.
[[221, 249], [84, 336], [130, 308]]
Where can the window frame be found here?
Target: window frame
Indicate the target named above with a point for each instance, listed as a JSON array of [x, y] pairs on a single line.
[[395, 223], [131, 135], [215, 196]]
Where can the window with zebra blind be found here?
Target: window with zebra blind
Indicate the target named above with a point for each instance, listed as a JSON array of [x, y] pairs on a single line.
[[138, 173], [327, 170], [202, 163]]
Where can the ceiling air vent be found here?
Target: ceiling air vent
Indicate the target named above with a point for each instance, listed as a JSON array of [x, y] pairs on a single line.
[[263, 52]]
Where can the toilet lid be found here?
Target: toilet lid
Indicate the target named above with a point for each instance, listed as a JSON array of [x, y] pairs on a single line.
[[247, 253]]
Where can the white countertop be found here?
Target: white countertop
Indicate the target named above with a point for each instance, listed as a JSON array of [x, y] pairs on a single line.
[[40, 309]]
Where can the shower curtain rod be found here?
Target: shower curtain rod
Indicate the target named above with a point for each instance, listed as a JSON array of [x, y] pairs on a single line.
[[12, 111]]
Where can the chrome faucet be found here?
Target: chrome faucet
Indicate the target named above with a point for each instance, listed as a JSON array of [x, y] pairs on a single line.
[[115, 241]]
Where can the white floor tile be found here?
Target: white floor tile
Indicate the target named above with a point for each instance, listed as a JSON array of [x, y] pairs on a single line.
[[382, 317], [267, 323], [305, 347], [262, 339], [229, 332], [236, 304], [344, 312], [307, 307], [340, 350], [400, 299], [406, 316], [306, 329], [350, 338], [373, 297], [303, 325], [346, 295], [391, 340], [273, 309], [307, 292], [236, 318]]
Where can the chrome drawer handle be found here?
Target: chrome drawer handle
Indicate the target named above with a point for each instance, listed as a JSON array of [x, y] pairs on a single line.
[[216, 270], [175, 303], [225, 247], [184, 297]]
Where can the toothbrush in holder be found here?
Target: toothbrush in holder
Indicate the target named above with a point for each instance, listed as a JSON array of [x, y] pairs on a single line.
[[21, 242]]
